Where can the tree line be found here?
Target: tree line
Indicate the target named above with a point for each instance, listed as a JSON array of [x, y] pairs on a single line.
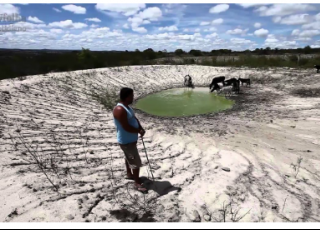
[[17, 63], [258, 51]]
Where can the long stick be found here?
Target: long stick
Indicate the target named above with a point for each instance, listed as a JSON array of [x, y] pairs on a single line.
[[147, 159]]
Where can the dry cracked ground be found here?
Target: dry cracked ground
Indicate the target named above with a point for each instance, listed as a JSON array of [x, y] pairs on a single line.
[[257, 162]]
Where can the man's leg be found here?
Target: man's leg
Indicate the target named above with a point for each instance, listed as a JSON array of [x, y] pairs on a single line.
[[134, 163], [136, 176], [129, 172]]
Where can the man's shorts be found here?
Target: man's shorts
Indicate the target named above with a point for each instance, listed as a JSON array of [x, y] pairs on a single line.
[[132, 155]]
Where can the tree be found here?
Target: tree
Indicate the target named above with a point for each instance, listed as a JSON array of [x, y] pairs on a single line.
[[88, 59], [268, 51], [150, 54], [179, 52], [308, 50], [195, 53], [85, 55]]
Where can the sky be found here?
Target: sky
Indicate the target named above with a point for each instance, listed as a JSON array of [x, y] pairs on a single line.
[[111, 26]]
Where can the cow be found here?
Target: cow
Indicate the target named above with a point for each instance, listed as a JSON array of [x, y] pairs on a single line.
[[236, 86], [230, 82], [247, 81], [217, 80], [228, 90], [318, 68], [215, 87], [188, 82]]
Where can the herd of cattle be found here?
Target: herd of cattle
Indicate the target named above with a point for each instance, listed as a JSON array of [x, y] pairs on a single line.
[[228, 86]]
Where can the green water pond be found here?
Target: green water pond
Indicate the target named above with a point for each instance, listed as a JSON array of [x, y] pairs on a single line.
[[183, 102]]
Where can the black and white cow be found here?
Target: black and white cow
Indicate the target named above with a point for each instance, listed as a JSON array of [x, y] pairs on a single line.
[[318, 68]]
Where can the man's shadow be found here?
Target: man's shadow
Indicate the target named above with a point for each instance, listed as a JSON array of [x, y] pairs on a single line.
[[160, 187]]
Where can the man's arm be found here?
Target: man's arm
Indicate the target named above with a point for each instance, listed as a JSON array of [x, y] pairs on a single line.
[[120, 114], [140, 126]]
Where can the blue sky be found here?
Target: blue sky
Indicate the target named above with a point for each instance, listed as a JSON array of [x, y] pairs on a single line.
[[113, 26]]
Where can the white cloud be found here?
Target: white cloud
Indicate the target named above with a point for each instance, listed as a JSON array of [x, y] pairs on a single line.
[[140, 29], [295, 32], [284, 9], [135, 22], [205, 23], [68, 24], [174, 38], [126, 26], [143, 18], [277, 19], [210, 29], [241, 41], [34, 19], [304, 36], [197, 30], [125, 9], [187, 37], [57, 10], [303, 39], [75, 9], [219, 8], [298, 19], [313, 25], [146, 22], [93, 34], [30, 26], [186, 30], [217, 21], [94, 26], [274, 42], [93, 20], [261, 33], [309, 33], [102, 29], [213, 35], [257, 25], [56, 31], [271, 39], [169, 28], [249, 5], [317, 17], [237, 31], [152, 14], [164, 36], [9, 9]]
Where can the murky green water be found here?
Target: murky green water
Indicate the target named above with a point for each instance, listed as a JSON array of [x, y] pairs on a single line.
[[183, 102]]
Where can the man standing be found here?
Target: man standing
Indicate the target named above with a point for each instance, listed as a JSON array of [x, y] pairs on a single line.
[[128, 129]]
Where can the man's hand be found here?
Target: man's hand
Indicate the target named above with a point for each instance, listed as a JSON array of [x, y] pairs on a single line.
[[142, 132]]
